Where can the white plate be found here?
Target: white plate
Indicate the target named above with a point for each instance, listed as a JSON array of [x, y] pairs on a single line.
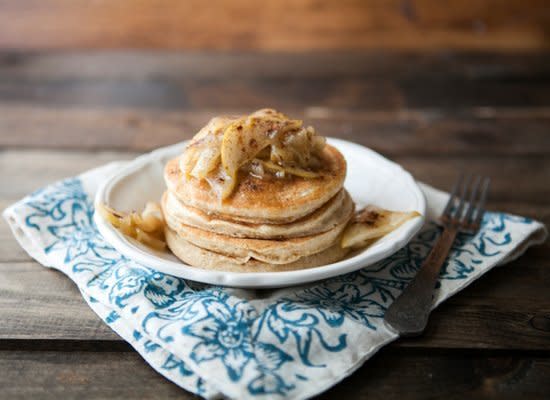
[[371, 179]]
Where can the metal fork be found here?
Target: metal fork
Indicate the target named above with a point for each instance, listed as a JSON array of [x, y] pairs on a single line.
[[408, 314]]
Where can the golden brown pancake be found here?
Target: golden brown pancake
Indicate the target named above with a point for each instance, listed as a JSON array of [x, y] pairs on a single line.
[[262, 200], [202, 258], [325, 218], [269, 251]]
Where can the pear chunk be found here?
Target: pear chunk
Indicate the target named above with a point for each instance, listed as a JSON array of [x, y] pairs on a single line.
[[372, 223], [265, 140], [245, 138]]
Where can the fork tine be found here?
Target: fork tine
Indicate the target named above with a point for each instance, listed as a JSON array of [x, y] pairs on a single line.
[[460, 208], [473, 196], [480, 210], [450, 202]]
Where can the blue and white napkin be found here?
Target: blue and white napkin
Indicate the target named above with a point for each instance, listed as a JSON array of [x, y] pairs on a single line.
[[291, 343]]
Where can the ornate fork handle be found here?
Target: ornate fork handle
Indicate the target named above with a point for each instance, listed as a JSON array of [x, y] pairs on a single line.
[[409, 313]]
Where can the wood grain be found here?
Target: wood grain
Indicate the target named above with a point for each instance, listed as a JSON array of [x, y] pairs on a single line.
[[399, 104], [90, 375], [141, 65], [325, 81], [394, 375], [98, 375], [288, 25], [53, 307], [476, 131], [24, 172]]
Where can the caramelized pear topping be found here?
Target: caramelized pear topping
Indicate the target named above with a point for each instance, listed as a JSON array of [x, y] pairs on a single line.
[[372, 223], [146, 227], [265, 141]]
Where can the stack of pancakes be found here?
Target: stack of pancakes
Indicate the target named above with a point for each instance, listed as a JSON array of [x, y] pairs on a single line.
[[268, 224]]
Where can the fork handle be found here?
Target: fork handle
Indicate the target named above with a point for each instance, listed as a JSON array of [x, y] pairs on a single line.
[[408, 314]]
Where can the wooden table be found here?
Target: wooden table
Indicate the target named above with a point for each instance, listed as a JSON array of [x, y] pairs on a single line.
[[62, 113]]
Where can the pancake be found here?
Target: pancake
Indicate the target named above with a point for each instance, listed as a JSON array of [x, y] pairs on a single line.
[[269, 251], [331, 214], [262, 200], [205, 259]]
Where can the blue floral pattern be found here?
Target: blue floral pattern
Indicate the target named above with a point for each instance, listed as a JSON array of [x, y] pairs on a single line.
[[265, 348]]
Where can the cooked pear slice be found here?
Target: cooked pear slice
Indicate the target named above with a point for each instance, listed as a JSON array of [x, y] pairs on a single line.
[[245, 138], [303, 173], [221, 183], [213, 128], [372, 223], [228, 143], [188, 160], [114, 217], [202, 154], [149, 223], [152, 209], [146, 227], [297, 149], [206, 162], [150, 239]]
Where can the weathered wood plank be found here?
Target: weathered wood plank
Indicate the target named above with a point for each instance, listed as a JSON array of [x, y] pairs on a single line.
[[284, 93], [477, 131], [24, 173], [136, 66], [341, 80], [82, 375], [293, 25], [513, 178], [40, 303], [389, 375]]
